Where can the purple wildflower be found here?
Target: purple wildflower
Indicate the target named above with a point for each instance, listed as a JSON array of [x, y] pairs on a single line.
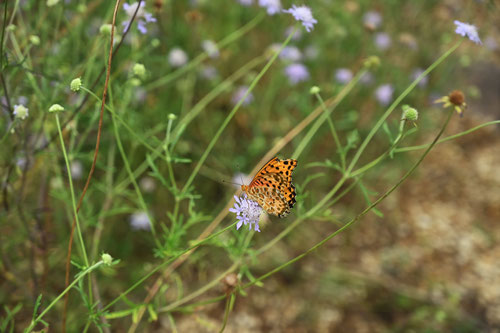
[[246, 2], [372, 20], [383, 41], [238, 95], [296, 73], [343, 75], [290, 53], [272, 6], [247, 212], [467, 30], [140, 221], [142, 16], [208, 72], [303, 14], [383, 94]]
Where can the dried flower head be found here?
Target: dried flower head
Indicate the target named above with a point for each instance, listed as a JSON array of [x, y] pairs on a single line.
[[455, 99]]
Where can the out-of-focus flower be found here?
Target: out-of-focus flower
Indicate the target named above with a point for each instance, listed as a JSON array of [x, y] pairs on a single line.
[[51, 3], [246, 2], [272, 6], [455, 99], [343, 75], [382, 41], [34, 39], [139, 70], [210, 47], [238, 95], [298, 33], [76, 169], [247, 212], [142, 16], [314, 90], [467, 30], [140, 221], [303, 14], [106, 259], [296, 73], [290, 53], [208, 72], [147, 184], [75, 84], [372, 20], [20, 111], [383, 94], [416, 73], [177, 57], [491, 43]]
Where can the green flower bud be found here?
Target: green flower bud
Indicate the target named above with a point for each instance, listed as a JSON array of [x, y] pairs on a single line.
[[76, 84], [139, 70], [56, 108], [372, 62], [172, 116], [107, 259], [410, 113], [155, 42], [51, 3], [105, 29], [314, 90], [34, 39], [135, 82]]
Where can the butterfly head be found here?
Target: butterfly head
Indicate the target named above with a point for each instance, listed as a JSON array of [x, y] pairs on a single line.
[[244, 188]]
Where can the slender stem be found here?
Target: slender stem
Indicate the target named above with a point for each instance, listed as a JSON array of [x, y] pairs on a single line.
[[75, 281]]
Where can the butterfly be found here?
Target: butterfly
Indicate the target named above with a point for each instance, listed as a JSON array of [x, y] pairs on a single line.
[[272, 187]]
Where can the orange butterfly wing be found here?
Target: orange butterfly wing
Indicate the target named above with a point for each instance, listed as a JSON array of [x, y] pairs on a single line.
[[272, 187]]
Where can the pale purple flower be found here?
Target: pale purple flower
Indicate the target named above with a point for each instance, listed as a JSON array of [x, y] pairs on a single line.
[[210, 47], [372, 20], [140, 221], [383, 94], [383, 41], [290, 53], [246, 2], [272, 6], [416, 73], [142, 16], [76, 169], [208, 72], [303, 14], [247, 212], [343, 75], [467, 30], [177, 57], [296, 73], [238, 95]]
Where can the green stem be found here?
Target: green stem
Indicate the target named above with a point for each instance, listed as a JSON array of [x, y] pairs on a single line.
[[75, 281], [398, 100]]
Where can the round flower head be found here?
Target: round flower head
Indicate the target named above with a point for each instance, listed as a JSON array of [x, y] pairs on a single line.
[[467, 30], [343, 75], [272, 6], [383, 94], [142, 17], [372, 20], [177, 57], [140, 221], [290, 53], [303, 14], [210, 47], [383, 41], [20, 111], [247, 212], [296, 73]]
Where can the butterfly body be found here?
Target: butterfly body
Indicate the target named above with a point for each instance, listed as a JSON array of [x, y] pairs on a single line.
[[272, 187]]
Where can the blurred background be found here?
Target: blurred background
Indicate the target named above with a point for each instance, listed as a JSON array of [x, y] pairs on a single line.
[[426, 260]]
